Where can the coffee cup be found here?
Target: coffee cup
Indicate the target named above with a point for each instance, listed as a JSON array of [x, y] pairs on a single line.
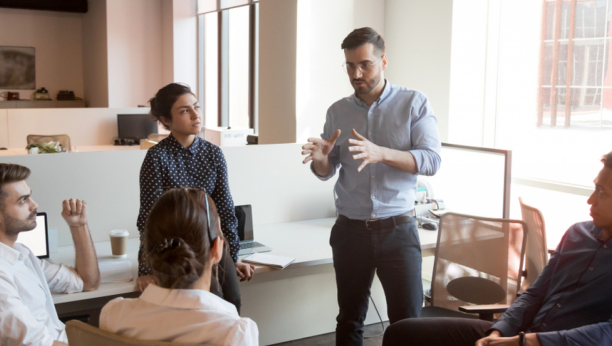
[[119, 240]]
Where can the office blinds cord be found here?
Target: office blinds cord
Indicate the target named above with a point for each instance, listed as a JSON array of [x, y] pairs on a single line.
[[381, 323]]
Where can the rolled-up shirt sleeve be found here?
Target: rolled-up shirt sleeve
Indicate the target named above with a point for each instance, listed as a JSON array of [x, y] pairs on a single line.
[[61, 278], [334, 155], [17, 324], [425, 138]]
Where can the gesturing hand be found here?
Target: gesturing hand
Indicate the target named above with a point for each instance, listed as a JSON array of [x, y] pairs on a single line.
[[74, 212], [369, 152], [317, 149]]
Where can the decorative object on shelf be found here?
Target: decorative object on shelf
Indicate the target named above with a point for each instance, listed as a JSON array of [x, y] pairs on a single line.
[[64, 95], [45, 148], [12, 96], [17, 68], [42, 94]]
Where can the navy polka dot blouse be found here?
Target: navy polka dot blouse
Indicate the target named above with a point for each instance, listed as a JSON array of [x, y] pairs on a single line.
[[170, 165]]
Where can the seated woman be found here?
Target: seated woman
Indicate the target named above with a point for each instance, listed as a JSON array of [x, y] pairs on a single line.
[[183, 240]]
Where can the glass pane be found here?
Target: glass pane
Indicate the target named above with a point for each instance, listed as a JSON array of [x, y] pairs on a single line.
[[232, 3], [588, 63], [206, 6], [239, 67], [211, 70], [550, 21], [586, 107], [591, 18]]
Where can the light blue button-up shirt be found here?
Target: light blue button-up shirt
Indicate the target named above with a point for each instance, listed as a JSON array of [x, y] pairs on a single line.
[[401, 119]]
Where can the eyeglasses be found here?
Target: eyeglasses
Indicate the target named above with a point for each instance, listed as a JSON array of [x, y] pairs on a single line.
[[364, 67]]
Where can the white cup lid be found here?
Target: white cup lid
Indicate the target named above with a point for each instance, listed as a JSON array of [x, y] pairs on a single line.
[[119, 233]]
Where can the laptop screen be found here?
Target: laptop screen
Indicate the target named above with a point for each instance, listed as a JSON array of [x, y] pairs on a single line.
[[245, 222], [37, 239]]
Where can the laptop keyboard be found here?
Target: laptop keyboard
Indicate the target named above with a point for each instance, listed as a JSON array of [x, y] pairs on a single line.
[[250, 245]]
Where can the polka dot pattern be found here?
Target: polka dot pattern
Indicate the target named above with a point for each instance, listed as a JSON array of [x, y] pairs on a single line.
[[169, 165]]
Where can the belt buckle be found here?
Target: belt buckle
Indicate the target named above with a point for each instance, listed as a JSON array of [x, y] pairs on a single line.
[[368, 226]]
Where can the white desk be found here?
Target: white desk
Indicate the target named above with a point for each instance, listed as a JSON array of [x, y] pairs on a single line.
[[307, 241]]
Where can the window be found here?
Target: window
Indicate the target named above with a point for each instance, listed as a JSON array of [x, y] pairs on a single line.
[[540, 86], [228, 44]]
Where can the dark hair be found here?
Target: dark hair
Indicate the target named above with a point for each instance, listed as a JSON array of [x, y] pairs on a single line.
[[10, 173], [162, 103], [607, 160], [361, 36], [178, 219]]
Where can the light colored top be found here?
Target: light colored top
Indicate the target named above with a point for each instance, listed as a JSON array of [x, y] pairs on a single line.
[[27, 312], [401, 119], [185, 316]]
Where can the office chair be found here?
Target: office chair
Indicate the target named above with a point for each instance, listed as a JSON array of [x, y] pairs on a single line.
[[536, 251], [82, 334], [63, 140], [477, 268]]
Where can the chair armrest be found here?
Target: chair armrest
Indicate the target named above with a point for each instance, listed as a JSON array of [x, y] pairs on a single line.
[[485, 312]]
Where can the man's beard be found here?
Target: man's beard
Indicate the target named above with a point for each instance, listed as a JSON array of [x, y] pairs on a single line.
[[368, 87], [14, 226]]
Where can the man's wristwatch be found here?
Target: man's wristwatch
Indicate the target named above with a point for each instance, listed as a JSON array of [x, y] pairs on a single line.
[[521, 339]]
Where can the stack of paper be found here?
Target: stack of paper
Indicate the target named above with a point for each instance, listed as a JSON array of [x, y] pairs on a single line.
[[274, 261], [115, 271]]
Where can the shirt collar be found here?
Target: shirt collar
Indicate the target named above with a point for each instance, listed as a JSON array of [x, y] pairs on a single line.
[[383, 96], [192, 149], [13, 254], [186, 299]]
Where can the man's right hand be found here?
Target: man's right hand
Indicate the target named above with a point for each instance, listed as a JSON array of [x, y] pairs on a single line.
[[143, 281], [317, 150]]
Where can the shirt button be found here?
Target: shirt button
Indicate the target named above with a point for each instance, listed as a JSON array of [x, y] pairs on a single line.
[[374, 197], [605, 246], [372, 177], [543, 324], [590, 268], [558, 305]]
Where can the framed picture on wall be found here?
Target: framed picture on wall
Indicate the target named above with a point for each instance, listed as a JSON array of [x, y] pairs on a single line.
[[17, 68]]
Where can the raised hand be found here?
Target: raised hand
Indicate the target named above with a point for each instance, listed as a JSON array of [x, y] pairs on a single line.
[[74, 212], [317, 149], [368, 151]]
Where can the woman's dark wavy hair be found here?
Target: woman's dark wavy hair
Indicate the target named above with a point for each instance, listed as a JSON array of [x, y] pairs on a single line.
[[180, 215], [162, 103]]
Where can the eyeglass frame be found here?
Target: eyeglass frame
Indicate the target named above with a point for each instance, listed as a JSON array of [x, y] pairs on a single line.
[[359, 66]]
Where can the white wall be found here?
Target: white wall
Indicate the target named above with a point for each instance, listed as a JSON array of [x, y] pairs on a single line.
[[321, 81], [4, 143], [134, 51], [418, 39], [185, 43], [167, 41], [95, 54], [89, 126], [57, 38]]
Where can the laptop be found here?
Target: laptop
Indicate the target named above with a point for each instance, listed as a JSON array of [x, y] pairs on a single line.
[[245, 231], [37, 239]]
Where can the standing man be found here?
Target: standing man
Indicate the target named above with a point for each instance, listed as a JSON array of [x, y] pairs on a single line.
[[27, 312], [381, 137]]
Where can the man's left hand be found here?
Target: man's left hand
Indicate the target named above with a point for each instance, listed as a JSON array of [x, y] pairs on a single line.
[[74, 212], [245, 271], [369, 152]]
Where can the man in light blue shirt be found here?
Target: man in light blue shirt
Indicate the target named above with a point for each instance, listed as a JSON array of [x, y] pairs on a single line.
[[380, 138]]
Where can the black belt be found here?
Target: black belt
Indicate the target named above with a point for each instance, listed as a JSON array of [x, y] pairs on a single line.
[[376, 224]]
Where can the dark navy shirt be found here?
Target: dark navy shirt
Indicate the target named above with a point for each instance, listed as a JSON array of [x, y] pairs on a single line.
[[570, 303], [169, 165]]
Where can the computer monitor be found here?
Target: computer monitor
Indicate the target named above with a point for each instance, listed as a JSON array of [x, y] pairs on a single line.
[[245, 222], [37, 239], [136, 126], [474, 180]]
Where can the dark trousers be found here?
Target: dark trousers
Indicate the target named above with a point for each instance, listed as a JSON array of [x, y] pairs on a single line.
[[394, 254], [225, 282], [436, 331]]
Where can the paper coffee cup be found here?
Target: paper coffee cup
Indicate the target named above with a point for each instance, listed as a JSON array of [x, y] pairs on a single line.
[[119, 240]]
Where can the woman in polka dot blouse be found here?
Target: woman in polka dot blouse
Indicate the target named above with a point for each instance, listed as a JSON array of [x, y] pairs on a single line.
[[185, 160]]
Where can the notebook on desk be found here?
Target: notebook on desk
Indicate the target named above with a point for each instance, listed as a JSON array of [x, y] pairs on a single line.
[[37, 240], [248, 245]]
